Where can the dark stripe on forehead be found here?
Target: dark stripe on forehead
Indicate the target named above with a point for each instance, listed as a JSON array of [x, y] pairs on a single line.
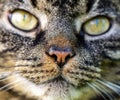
[[90, 4], [69, 3], [102, 5], [69, 6], [62, 3], [34, 2], [20, 1]]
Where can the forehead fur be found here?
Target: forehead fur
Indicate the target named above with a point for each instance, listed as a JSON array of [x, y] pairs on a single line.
[[117, 3], [71, 5], [79, 6]]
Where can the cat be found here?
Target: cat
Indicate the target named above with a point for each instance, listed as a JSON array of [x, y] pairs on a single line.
[[60, 49]]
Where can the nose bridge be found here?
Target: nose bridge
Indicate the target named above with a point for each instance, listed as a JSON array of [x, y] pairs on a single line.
[[60, 25], [61, 39], [60, 31]]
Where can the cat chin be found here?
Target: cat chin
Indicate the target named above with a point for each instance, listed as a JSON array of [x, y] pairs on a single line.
[[59, 89]]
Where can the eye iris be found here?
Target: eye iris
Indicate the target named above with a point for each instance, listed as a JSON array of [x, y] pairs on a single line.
[[23, 20], [97, 26]]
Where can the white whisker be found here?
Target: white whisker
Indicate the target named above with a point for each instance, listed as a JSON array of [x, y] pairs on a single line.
[[107, 91], [4, 79], [7, 85], [113, 88], [4, 75], [114, 85], [103, 91], [96, 90], [13, 85]]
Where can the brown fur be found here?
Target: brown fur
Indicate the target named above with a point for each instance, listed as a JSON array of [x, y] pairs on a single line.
[[24, 55]]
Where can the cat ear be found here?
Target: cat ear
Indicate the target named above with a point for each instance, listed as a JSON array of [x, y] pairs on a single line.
[[113, 54]]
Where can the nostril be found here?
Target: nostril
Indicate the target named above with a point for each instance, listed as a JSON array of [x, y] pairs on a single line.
[[60, 55], [68, 57], [54, 57]]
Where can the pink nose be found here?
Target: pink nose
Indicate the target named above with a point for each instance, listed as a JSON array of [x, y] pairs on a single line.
[[61, 55]]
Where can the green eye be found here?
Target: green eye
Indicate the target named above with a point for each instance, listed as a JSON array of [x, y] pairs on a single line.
[[23, 20], [97, 26]]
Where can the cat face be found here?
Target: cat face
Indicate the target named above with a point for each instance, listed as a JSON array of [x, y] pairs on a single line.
[[60, 42]]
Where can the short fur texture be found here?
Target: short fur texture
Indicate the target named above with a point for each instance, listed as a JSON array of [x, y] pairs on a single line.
[[90, 72]]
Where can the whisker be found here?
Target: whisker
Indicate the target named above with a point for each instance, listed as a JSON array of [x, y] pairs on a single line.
[[12, 86], [97, 90], [113, 87], [108, 92], [3, 79], [4, 76], [103, 91], [7, 85], [7, 74], [117, 86]]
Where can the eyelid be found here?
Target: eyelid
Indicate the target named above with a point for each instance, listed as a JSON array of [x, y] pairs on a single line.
[[95, 18], [36, 26], [7, 25]]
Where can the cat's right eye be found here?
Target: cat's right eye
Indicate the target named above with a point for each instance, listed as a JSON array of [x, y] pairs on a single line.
[[23, 20], [97, 25]]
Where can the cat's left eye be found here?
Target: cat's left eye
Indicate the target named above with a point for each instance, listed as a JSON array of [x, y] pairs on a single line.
[[97, 25], [23, 20]]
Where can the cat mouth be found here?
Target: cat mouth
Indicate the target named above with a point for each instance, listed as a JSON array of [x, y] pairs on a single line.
[[59, 78]]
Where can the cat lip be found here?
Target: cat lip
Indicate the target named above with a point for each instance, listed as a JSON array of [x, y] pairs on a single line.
[[59, 78]]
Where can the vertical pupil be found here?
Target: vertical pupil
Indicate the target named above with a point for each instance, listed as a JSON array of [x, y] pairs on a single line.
[[24, 17], [97, 22]]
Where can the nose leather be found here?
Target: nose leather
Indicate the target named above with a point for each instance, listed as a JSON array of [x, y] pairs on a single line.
[[61, 55]]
